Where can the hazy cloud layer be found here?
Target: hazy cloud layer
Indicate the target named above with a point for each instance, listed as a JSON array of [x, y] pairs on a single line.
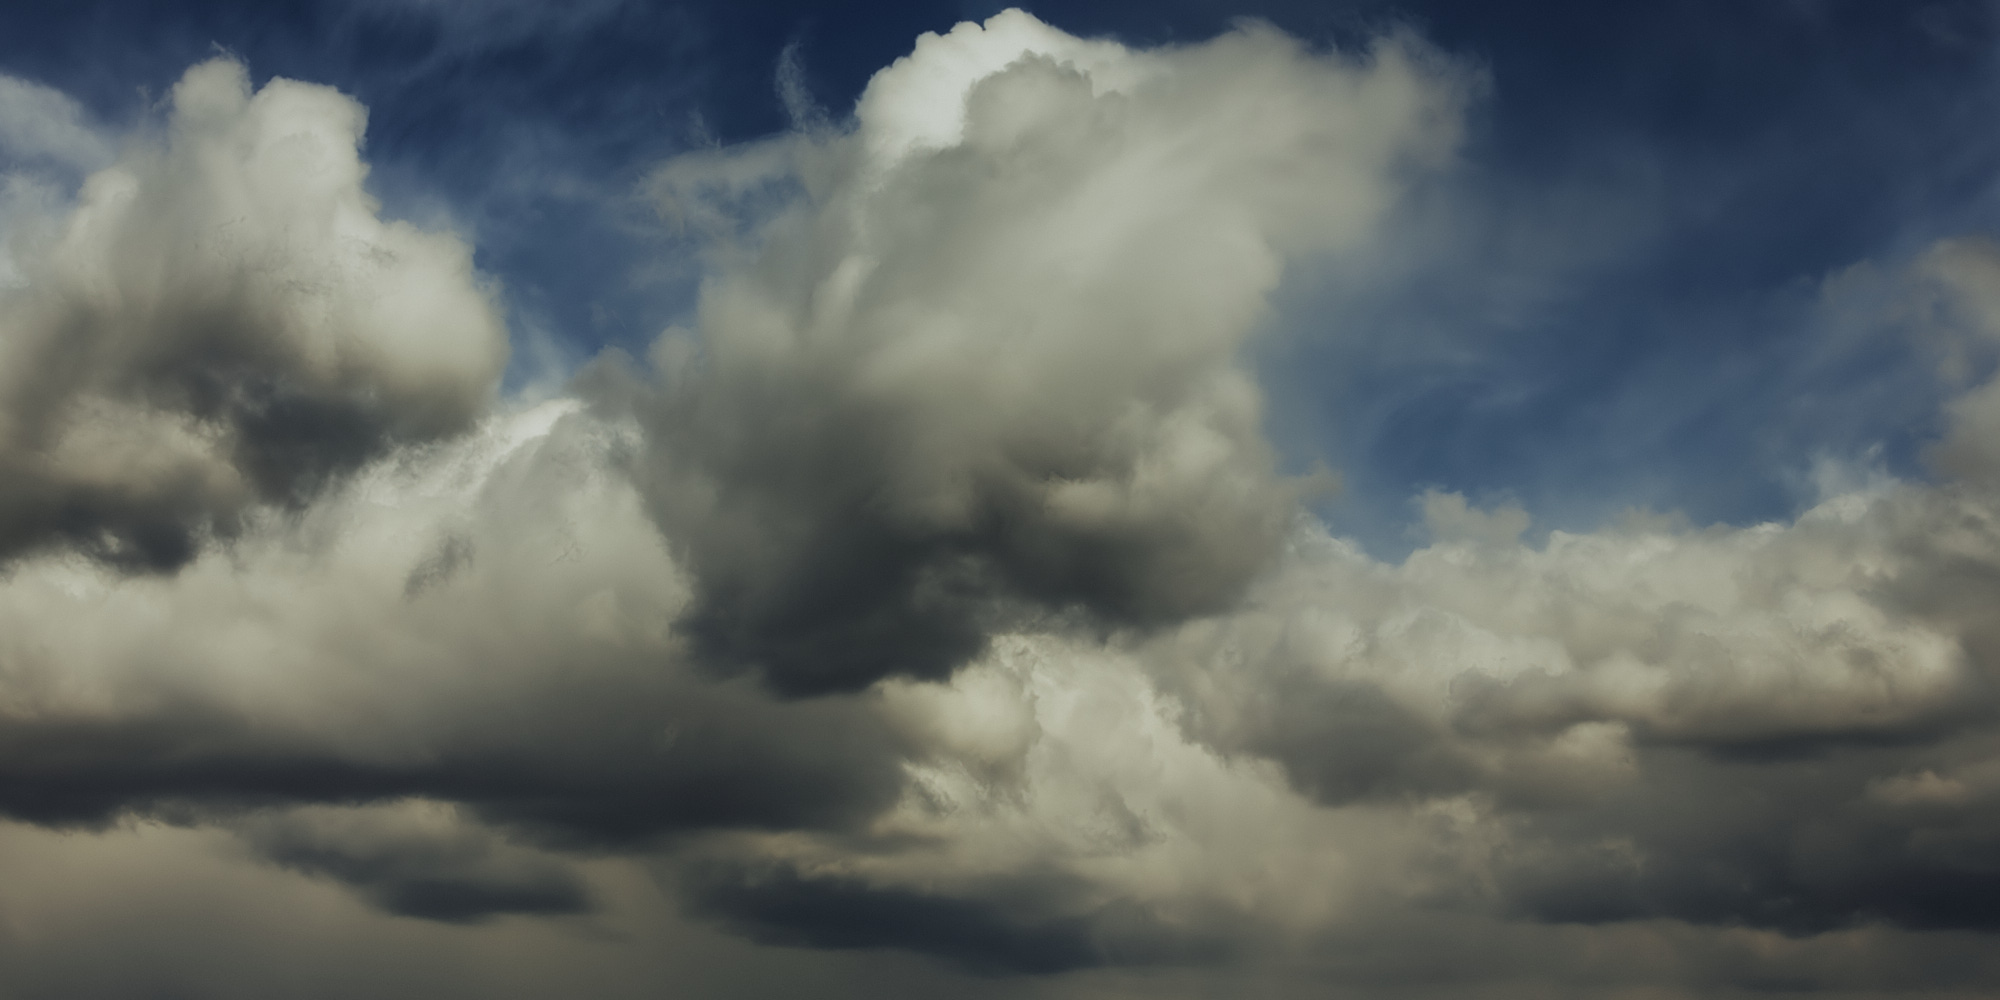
[[935, 591]]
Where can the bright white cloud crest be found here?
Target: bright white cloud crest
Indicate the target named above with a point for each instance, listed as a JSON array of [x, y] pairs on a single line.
[[939, 590]]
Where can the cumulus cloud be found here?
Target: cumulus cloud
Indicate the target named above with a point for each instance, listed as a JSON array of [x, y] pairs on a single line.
[[332, 657], [989, 366], [47, 142], [224, 322], [1650, 721], [1781, 727], [43, 124], [936, 589], [1963, 277]]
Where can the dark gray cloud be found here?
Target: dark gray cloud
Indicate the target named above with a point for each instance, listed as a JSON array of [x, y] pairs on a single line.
[[1013, 928], [1795, 847], [778, 906], [623, 776]]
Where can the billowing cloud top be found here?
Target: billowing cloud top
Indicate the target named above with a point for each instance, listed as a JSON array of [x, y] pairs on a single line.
[[223, 321], [991, 365], [936, 587]]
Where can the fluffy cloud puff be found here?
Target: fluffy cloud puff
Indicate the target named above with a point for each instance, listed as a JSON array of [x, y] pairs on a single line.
[[482, 622], [223, 322], [988, 366], [1785, 727], [1608, 726]]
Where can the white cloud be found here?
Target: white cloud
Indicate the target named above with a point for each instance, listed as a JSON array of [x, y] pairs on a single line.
[[222, 320], [40, 123], [1965, 275], [989, 363]]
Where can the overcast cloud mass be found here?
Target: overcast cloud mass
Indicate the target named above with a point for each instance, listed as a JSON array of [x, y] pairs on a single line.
[[635, 499]]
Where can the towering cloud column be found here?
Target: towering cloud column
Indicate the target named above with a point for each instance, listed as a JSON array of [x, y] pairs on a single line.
[[989, 366]]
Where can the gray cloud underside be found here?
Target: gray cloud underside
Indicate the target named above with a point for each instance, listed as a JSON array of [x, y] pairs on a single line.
[[937, 590]]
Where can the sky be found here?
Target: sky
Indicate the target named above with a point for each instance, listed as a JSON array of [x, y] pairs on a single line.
[[1090, 500]]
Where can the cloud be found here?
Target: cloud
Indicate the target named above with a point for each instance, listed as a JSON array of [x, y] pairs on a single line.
[[224, 323], [988, 367], [538, 685], [47, 142], [1963, 279], [1759, 728], [42, 124], [1785, 726], [415, 859], [936, 589]]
